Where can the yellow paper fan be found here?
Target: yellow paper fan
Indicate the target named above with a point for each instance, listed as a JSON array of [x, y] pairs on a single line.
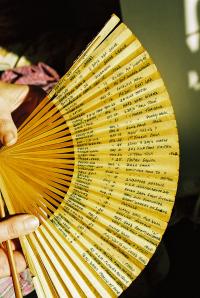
[[97, 162]]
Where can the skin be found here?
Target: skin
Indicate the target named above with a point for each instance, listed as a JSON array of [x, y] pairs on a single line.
[[11, 97]]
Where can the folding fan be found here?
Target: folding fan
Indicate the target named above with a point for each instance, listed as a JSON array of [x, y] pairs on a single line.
[[97, 162]]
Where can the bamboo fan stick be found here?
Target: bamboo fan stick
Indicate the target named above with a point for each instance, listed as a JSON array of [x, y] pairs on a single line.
[[94, 65], [109, 26], [38, 167], [12, 264], [88, 272], [38, 181], [61, 142], [73, 271], [38, 288], [42, 276], [54, 121], [37, 116], [38, 119], [25, 201], [60, 136], [122, 74], [40, 147], [83, 165], [37, 196], [96, 59], [105, 74], [82, 65], [94, 44], [43, 107], [44, 119]]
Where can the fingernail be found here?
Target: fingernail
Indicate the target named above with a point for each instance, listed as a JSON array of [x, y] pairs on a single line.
[[9, 139], [31, 223]]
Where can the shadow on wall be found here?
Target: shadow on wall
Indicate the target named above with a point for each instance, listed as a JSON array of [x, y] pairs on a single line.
[[170, 32]]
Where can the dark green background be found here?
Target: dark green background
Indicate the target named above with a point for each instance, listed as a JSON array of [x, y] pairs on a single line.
[[160, 26]]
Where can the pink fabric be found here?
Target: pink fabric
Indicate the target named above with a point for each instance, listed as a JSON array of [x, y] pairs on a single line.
[[39, 75], [6, 285]]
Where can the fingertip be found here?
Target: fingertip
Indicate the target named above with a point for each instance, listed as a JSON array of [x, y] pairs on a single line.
[[9, 138], [18, 225], [31, 223], [4, 264], [19, 261]]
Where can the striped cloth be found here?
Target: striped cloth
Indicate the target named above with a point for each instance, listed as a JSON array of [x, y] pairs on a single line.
[[6, 285]]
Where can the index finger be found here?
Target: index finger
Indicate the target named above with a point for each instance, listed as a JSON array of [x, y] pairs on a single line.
[[17, 225]]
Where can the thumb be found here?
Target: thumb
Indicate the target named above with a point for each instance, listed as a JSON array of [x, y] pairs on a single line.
[[17, 225], [8, 130]]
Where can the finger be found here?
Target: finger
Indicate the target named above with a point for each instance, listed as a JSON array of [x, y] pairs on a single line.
[[8, 130], [14, 245], [17, 226], [4, 263], [12, 95], [19, 261]]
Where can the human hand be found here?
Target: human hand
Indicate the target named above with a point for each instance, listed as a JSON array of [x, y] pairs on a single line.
[[11, 228], [11, 97], [14, 98]]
